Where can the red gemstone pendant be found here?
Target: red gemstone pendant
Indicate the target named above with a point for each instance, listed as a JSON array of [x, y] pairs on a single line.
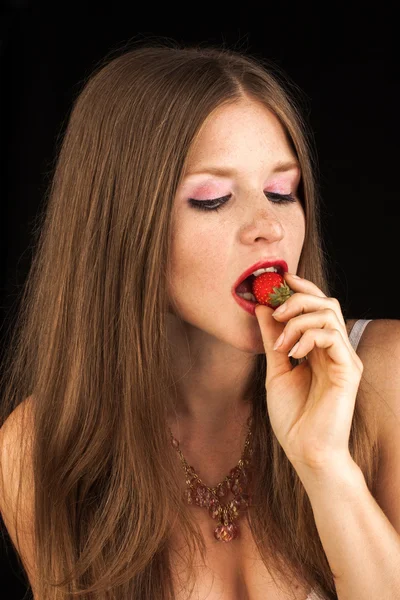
[[226, 533]]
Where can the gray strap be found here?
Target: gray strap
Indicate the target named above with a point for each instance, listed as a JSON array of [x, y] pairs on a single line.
[[357, 331]]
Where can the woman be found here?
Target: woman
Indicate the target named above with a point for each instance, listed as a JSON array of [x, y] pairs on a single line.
[[169, 449]]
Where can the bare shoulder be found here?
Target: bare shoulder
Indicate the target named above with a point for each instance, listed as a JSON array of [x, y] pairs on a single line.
[[15, 443], [379, 351], [16, 481]]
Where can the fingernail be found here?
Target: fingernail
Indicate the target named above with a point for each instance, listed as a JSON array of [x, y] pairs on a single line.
[[279, 310], [279, 341], [294, 276], [294, 349]]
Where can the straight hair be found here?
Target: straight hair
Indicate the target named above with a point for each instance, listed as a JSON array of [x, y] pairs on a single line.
[[89, 358]]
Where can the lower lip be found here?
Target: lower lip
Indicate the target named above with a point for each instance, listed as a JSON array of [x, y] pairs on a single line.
[[247, 305]]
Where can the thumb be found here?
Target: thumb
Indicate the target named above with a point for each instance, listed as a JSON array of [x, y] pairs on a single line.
[[278, 363]]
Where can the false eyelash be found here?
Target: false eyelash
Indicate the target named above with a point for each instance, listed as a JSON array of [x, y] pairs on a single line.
[[218, 203]]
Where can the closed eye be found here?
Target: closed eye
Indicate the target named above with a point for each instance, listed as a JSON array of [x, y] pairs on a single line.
[[218, 203]]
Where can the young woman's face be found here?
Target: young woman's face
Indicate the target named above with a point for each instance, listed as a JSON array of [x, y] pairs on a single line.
[[212, 248]]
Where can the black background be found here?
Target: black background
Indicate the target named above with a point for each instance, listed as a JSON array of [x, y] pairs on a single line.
[[344, 60]]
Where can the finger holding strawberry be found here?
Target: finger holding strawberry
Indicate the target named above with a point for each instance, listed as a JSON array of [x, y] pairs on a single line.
[[311, 405]]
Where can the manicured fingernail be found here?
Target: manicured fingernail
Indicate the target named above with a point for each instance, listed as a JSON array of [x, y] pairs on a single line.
[[294, 276], [279, 310], [294, 349], [279, 341]]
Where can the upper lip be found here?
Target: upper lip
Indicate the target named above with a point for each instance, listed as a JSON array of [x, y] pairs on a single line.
[[279, 263]]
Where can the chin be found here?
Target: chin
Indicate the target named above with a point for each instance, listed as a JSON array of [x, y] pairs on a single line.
[[251, 344]]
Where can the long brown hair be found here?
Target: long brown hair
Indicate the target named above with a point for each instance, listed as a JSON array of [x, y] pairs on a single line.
[[90, 353]]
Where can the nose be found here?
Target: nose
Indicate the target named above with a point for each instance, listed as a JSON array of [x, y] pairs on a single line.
[[264, 224]]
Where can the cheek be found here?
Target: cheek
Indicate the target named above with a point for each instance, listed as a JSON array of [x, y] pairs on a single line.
[[299, 219], [296, 228], [199, 257], [301, 231], [303, 221]]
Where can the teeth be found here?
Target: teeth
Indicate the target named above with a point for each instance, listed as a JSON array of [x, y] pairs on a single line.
[[267, 270], [247, 296]]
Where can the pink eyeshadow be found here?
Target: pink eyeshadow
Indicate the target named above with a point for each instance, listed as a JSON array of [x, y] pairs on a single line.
[[281, 185], [207, 191]]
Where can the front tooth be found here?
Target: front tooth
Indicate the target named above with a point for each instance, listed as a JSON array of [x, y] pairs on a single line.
[[267, 270]]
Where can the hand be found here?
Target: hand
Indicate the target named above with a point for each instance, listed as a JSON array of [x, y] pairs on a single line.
[[311, 405]]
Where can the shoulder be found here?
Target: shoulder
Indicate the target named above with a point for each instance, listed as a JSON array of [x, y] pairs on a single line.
[[15, 445], [16, 433], [379, 391], [16, 481], [379, 351], [382, 359]]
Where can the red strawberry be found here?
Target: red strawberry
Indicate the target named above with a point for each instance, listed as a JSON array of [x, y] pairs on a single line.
[[271, 289]]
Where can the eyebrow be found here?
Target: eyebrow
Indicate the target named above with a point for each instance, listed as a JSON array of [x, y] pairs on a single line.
[[280, 167]]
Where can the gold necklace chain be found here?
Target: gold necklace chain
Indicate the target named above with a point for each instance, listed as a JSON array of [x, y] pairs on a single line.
[[237, 481]]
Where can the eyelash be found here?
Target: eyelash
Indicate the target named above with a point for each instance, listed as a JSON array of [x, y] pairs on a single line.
[[218, 203]]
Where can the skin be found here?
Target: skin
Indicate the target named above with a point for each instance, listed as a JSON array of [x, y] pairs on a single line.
[[216, 343]]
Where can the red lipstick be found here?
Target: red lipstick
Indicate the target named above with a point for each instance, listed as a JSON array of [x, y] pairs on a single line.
[[249, 306], [280, 264]]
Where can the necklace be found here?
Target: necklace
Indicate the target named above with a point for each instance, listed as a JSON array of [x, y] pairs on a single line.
[[236, 482]]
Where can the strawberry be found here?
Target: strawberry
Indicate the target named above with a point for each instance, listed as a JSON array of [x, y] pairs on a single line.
[[271, 289]]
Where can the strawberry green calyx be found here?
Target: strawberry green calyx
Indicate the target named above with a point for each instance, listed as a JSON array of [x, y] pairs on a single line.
[[271, 289], [282, 293]]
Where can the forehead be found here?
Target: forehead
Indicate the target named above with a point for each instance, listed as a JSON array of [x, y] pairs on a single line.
[[243, 131]]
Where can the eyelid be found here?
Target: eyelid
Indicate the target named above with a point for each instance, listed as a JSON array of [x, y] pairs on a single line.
[[228, 196]]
